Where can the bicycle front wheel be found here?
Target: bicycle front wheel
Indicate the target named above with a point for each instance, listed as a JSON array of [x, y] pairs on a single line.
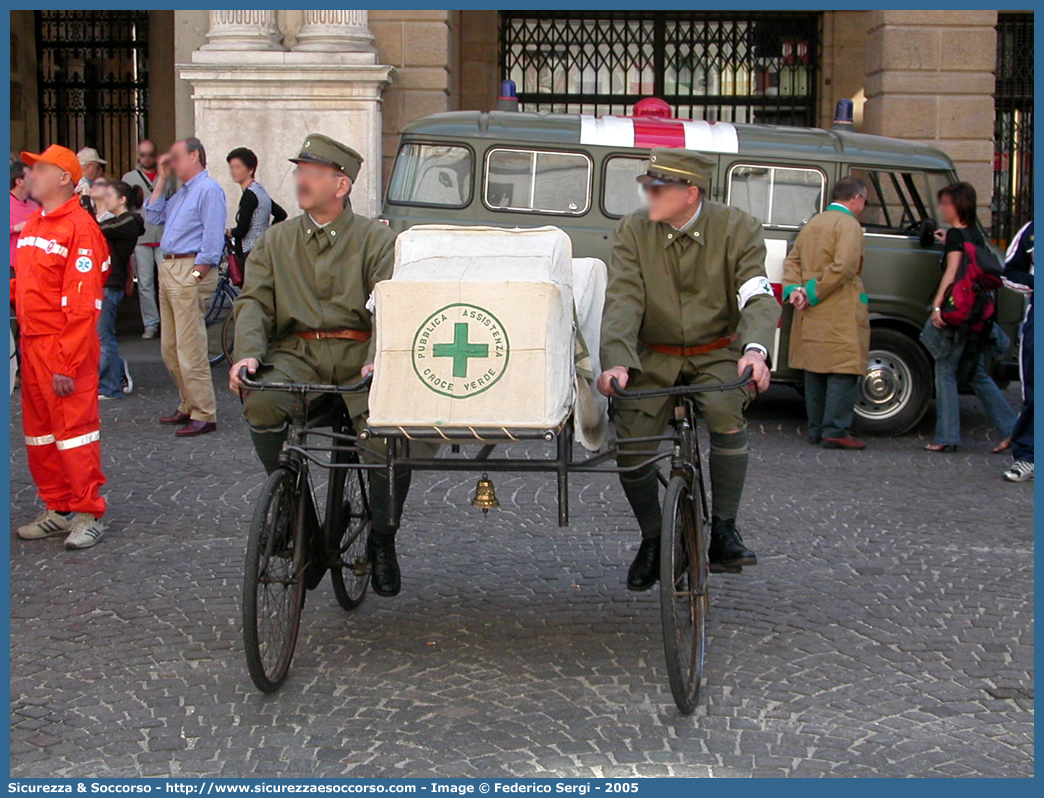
[[273, 584], [684, 597]]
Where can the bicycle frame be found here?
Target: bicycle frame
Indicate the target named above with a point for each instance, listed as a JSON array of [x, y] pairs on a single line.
[[397, 456]]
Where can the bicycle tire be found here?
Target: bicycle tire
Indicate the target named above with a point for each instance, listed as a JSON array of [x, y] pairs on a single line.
[[351, 577], [277, 539], [228, 334], [684, 597], [219, 312]]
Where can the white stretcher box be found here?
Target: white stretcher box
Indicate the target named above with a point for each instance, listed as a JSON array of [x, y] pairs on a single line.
[[475, 329], [591, 409]]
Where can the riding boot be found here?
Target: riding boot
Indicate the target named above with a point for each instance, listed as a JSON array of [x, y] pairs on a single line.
[[642, 490], [727, 550], [268, 444], [385, 576]]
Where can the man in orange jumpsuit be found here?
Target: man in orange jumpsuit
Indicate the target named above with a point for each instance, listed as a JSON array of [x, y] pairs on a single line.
[[60, 267]]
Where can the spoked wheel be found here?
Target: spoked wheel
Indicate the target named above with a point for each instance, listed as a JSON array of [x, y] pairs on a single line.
[[218, 318], [228, 332], [351, 574], [684, 597], [273, 585]]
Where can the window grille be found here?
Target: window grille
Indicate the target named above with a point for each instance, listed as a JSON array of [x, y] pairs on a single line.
[[734, 67]]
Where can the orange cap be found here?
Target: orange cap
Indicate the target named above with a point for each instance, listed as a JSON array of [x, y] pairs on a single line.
[[62, 157]]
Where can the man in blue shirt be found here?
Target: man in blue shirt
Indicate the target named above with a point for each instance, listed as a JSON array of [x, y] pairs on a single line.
[[193, 222]]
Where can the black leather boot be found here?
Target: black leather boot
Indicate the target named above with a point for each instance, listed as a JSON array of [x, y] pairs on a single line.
[[385, 577], [726, 546], [380, 546], [645, 569]]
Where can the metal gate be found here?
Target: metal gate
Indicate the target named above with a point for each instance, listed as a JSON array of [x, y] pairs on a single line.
[[1013, 126], [93, 82], [719, 66]]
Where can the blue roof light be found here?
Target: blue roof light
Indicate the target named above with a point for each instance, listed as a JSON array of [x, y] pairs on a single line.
[[508, 91], [845, 112]]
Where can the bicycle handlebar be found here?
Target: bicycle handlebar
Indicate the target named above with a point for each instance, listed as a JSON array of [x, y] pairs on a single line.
[[685, 390], [303, 387]]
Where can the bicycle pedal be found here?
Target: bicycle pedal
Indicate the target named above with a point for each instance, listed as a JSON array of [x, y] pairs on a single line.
[[718, 568]]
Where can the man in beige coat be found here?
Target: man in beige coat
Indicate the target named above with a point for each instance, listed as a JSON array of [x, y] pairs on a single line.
[[830, 333]]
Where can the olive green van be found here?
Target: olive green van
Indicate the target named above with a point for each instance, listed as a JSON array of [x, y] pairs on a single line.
[[578, 173]]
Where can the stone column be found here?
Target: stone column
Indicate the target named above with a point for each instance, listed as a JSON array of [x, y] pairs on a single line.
[[340, 31], [239, 29], [267, 98], [930, 78]]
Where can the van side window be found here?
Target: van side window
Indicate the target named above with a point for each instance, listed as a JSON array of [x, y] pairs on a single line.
[[432, 174], [780, 196], [621, 193], [897, 202], [532, 181]]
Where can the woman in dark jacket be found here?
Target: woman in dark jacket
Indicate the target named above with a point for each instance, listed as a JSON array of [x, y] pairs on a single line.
[[121, 230], [255, 206], [960, 351]]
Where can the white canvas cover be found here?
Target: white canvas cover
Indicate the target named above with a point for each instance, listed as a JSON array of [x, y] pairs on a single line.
[[450, 253], [475, 329], [591, 419]]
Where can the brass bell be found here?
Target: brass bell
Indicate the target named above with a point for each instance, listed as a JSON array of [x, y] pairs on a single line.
[[485, 495]]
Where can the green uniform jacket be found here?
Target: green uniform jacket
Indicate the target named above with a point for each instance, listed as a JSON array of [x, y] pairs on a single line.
[[832, 335], [686, 288], [304, 277]]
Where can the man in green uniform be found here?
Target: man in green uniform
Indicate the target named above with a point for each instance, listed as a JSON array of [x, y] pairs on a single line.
[[306, 314], [687, 303]]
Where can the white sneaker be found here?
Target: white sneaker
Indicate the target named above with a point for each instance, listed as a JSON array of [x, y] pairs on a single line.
[[127, 382], [86, 531], [1019, 472], [49, 523]]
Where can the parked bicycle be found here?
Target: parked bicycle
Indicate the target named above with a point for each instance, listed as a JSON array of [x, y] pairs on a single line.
[[219, 310]]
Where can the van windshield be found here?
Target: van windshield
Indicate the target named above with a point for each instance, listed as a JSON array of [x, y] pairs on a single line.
[[432, 174]]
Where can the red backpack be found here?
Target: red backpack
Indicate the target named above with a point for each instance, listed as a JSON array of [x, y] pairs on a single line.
[[970, 301]]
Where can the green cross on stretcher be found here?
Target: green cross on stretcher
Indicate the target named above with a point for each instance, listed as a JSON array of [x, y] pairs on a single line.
[[460, 350]]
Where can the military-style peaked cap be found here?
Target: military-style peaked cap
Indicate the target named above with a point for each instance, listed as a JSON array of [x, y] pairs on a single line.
[[670, 165], [318, 148]]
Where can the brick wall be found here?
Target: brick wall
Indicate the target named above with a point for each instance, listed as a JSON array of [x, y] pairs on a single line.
[[930, 78], [423, 48], [841, 72], [479, 70]]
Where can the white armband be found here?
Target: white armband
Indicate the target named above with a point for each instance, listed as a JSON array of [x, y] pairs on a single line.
[[756, 348], [755, 286]]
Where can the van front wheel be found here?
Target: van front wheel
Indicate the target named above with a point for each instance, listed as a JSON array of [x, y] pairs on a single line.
[[897, 387]]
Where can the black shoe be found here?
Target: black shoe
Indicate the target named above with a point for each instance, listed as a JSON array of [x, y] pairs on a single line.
[[384, 568], [814, 439], [726, 546], [645, 569]]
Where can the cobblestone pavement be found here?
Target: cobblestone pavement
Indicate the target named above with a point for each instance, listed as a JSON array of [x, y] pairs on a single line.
[[887, 630]]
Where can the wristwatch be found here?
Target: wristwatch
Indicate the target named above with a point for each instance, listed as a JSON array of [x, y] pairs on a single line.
[[197, 274]]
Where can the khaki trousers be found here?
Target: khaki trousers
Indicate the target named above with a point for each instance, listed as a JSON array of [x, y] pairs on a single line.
[[183, 335]]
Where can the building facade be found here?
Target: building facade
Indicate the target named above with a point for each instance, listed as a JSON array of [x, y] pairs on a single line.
[[959, 80]]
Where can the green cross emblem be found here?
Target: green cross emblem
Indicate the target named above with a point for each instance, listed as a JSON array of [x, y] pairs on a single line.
[[460, 350]]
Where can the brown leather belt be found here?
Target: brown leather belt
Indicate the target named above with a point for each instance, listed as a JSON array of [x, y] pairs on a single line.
[[690, 351], [181, 256], [318, 335]]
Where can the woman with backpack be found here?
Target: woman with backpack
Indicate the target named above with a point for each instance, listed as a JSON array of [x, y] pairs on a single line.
[[961, 329]]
